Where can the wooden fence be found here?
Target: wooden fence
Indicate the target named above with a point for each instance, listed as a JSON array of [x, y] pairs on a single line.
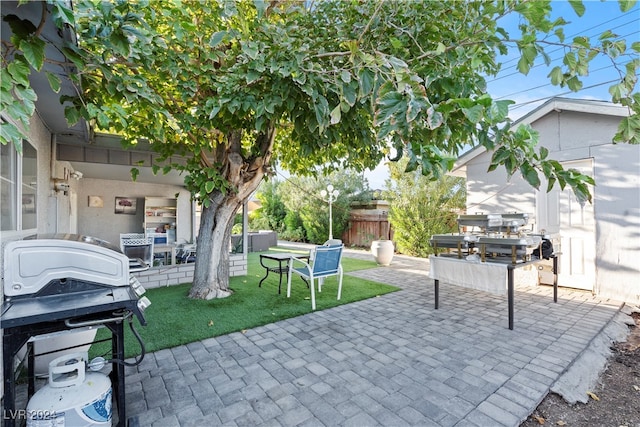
[[365, 227]]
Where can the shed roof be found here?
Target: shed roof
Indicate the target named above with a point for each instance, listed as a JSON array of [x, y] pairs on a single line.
[[554, 104]]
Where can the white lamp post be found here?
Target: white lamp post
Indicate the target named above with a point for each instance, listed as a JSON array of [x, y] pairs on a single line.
[[330, 195]]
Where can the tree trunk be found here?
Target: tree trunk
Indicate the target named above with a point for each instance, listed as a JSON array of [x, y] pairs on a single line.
[[211, 275]]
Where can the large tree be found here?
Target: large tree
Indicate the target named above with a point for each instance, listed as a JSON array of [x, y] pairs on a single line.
[[235, 86]]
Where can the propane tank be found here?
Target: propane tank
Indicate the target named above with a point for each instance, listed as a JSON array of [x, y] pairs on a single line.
[[72, 396]]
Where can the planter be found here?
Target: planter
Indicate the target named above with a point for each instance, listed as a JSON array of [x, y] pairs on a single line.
[[382, 251]]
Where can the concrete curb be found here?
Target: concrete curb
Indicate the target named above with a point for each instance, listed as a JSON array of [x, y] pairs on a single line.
[[583, 374]]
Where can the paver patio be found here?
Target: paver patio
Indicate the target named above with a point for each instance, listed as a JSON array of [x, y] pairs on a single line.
[[387, 361]]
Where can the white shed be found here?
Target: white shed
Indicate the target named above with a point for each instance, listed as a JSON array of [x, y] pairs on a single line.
[[600, 242]]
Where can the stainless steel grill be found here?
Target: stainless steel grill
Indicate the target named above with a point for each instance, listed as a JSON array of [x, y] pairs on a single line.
[[495, 237], [62, 282]]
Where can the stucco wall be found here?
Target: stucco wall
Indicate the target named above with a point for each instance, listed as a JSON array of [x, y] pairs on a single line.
[[617, 210], [105, 224], [40, 138]]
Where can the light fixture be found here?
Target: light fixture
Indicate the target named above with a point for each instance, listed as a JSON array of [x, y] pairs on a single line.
[[330, 195]]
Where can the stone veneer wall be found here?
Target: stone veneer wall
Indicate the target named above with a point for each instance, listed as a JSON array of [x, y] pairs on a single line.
[[157, 277]]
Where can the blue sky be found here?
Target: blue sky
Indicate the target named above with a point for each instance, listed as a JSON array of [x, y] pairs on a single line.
[[532, 90]]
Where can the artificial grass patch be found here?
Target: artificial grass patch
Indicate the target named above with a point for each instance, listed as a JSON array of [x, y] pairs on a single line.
[[173, 319]]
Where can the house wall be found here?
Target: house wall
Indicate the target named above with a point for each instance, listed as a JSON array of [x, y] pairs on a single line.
[[105, 224], [40, 138], [616, 197]]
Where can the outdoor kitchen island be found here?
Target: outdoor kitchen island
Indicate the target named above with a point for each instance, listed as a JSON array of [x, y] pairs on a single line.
[[487, 276], [486, 253]]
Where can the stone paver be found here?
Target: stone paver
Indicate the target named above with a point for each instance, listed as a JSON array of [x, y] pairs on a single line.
[[392, 360]]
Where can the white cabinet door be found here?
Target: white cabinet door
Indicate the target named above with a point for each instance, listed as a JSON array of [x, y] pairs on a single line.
[[572, 224]]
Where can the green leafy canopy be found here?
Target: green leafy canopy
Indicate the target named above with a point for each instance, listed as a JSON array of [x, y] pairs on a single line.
[[235, 86]]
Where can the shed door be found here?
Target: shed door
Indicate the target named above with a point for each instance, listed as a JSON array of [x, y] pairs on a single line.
[[572, 226]]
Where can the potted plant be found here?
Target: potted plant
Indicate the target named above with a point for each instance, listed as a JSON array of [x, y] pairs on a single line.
[[382, 251]]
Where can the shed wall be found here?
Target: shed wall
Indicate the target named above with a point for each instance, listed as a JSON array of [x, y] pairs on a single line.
[[573, 135]]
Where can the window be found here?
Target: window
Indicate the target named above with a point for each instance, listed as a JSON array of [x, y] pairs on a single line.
[[18, 182]]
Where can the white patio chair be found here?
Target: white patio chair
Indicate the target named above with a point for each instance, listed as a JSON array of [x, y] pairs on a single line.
[[326, 263]]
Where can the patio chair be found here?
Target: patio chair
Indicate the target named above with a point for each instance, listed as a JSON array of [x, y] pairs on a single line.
[[326, 263], [330, 242]]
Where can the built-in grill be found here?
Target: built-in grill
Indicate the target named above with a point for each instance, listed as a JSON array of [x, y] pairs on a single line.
[[64, 282]]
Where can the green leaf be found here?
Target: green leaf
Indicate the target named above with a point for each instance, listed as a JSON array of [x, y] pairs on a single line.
[[217, 38], [626, 5], [391, 103], [209, 186], [62, 14], [543, 153], [19, 71], [335, 115], [349, 93], [345, 76], [365, 80], [530, 175], [9, 133], [556, 75], [214, 111], [250, 49], [628, 130], [523, 65], [252, 76], [396, 43], [578, 7], [500, 155], [413, 109], [434, 118], [72, 115], [261, 7], [474, 114], [33, 49], [103, 120], [529, 53], [499, 110], [54, 81], [22, 28], [25, 94], [574, 84], [617, 92], [550, 183]]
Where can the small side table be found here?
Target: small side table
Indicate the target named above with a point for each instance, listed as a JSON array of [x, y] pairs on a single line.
[[282, 267]]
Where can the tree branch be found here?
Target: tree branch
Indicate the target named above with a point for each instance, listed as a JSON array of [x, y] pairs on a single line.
[[375, 13]]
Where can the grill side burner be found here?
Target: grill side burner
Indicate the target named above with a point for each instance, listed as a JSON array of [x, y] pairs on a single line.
[[56, 283]]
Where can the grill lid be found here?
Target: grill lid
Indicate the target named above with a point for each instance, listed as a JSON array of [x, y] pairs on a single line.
[[30, 264]]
